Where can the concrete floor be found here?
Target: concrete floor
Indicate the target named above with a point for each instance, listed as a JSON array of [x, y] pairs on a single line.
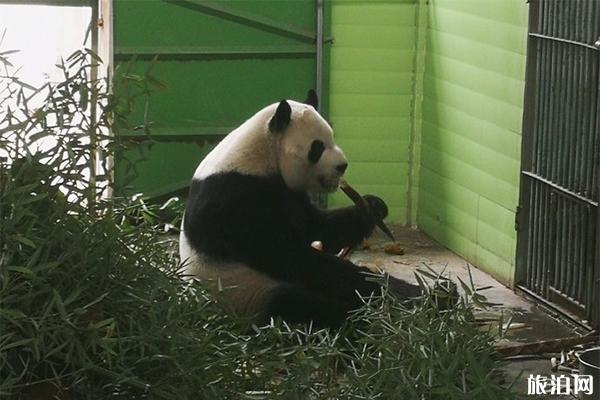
[[420, 250], [530, 321]]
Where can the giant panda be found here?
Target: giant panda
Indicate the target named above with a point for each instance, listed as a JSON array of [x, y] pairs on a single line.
[[249, 221]]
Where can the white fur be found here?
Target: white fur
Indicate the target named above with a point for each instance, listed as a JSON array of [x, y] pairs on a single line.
[[243, 288], [252, 149], [247, 149]]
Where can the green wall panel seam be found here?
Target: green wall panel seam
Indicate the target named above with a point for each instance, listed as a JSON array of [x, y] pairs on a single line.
[[516, 26], [471, 10], [468, 112], [478, 42], [491, 96], [414, 151]]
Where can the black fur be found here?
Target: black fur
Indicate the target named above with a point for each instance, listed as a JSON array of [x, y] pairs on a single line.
[[312, 99], [316, 150], [261, 222], [282, 117]]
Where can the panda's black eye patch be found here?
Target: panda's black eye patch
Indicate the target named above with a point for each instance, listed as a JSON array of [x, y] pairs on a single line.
[[316, 150]]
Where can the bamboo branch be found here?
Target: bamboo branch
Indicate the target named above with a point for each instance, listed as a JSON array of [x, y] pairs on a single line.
[[546, 346]]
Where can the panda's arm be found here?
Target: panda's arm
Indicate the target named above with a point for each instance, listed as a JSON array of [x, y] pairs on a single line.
[[347, 227], [339, 228]]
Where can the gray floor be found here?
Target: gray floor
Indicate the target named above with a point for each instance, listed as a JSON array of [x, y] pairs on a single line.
[[420, 250], [530, 322]]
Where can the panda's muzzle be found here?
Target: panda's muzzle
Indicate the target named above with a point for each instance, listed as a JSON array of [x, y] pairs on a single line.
[[328, 185]]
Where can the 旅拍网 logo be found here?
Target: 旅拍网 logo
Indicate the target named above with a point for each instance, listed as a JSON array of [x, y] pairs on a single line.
[[560, 384]]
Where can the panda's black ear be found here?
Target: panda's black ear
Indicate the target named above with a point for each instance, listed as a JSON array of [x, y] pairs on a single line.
[[312, 99], [282, 117]]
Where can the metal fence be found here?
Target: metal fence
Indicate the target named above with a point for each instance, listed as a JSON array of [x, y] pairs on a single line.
[[558, 255]]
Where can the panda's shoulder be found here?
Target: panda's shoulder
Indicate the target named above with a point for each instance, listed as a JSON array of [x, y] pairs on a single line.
[[243, 190]]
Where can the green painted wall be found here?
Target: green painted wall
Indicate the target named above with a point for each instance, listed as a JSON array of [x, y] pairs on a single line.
[[372, 70], [470, 128], [220, 61], [426, 100]]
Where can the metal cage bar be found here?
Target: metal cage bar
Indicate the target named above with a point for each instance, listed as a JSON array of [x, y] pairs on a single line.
[[558, 246]]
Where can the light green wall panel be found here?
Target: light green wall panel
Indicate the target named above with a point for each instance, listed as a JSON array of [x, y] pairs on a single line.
[[371, 96], [460, 111], [470, 128]]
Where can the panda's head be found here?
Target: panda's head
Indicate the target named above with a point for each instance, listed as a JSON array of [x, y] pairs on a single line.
[[307, 156]]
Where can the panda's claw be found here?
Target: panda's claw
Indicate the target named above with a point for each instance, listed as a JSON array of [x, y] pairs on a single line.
[[377, 206], [385, 230], [379, 210]]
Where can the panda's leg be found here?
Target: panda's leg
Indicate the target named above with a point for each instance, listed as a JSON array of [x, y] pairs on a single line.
[[343, 279], [297, 304]]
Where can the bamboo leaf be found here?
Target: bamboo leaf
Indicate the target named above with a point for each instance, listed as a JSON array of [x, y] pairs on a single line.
[[18, 343], [22, 239], [21, 270]]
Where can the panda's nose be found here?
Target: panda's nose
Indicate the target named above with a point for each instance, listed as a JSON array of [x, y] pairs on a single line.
[[341, 168]]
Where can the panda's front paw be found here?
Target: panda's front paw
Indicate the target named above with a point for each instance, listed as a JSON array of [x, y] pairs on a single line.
[[379, 210]]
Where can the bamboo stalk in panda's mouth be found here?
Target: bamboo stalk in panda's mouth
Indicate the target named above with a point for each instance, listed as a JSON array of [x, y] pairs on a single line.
[[353, 195], [362, 204]]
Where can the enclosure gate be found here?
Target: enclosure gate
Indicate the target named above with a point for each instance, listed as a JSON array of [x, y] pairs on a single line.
[[558, 256]]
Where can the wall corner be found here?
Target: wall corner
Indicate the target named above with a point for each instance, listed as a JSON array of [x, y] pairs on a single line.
[[421, 18]]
